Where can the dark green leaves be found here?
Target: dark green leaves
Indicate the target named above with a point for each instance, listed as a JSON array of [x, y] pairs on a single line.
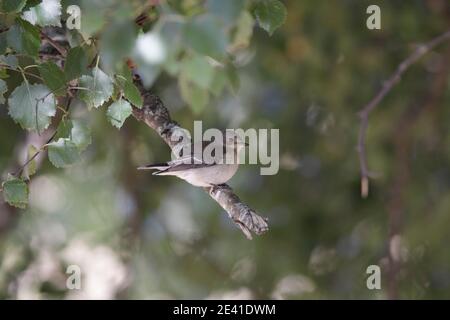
[[32, 106], [118, 112], [270, 14], [3, 90], [206, 35], [132, 94], [12, 5], [53, 77], [76, 63], [15, 192], [23, 37], [129, 90]]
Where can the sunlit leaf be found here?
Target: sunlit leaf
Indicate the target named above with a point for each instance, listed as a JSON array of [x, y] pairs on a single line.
[[118, 112], [47, 13], [80, 135], [63, 153], [98, 88], [244, 31], [15, 192], [32, 106]]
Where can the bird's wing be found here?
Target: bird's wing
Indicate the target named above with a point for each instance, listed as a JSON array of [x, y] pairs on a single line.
[[185, 166]]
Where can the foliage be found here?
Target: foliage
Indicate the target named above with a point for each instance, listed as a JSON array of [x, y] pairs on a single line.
[[94, 64], [161, 238]]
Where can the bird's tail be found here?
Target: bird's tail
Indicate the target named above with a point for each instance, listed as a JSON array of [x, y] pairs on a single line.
[[155, 166]]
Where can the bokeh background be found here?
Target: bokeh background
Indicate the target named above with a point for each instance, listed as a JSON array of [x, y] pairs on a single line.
[[136, 236]]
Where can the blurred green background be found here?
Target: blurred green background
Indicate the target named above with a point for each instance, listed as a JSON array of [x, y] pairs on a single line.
[[135, 235]]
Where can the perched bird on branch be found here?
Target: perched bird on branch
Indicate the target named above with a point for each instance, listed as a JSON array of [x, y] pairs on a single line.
[[206, 164]]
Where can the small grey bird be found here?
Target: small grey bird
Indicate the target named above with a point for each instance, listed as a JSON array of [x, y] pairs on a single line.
[[199, 173]]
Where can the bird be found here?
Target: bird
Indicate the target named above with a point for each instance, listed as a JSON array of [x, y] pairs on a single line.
[[194, 169]]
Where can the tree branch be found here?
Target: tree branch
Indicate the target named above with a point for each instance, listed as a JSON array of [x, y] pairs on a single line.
[[156, 116], [388, 85]]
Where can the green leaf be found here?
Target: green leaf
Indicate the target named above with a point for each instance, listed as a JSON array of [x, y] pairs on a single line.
[[198, 70], [219, 82], [76, 63], [63, 153], [53, 77], [32, 106], [99, 88], [3, 90], [75, 131], [9, 60], [64, 129], [23, 37], [244, 31], [196, 97], [233, 79], [31, 167], [118, 112], [206, 35], [131, 92], [47, 13], [13, 5], [80, 135], [113, 51], [3, 42], [228, 10], [270, 14], [15, 192]]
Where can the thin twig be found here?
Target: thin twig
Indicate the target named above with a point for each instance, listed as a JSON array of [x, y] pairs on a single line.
[[21, 71], [388, 85], [62, 51], [19, 171]]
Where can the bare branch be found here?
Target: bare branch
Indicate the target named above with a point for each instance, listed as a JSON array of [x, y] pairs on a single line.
[[387, 87], [157, 117]]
